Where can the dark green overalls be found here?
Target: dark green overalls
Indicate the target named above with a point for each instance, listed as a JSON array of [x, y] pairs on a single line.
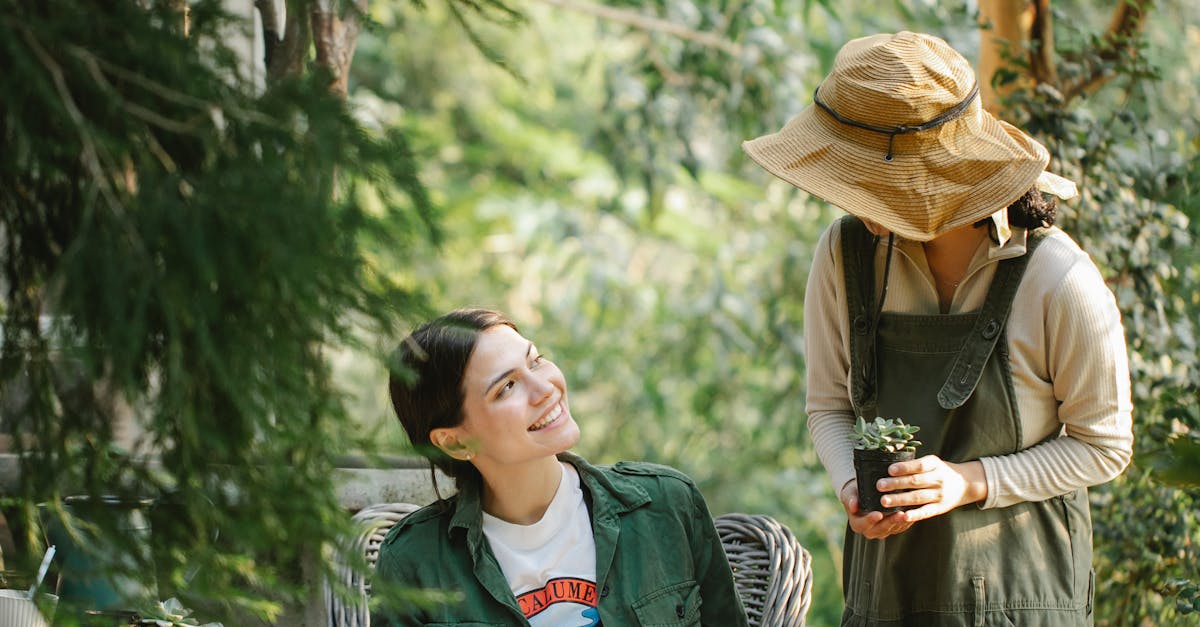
[[1028, 564]]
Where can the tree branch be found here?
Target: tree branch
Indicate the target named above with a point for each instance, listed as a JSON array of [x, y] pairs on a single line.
[[163, 91], [1016, 29], [1041, 49], [1120, 38], [649, 23], [92, 156]]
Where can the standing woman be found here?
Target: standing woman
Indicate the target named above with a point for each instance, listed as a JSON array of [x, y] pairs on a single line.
[[536, 535], [947, 299]]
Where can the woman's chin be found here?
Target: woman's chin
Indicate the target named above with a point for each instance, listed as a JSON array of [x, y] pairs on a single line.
[[569, 435]]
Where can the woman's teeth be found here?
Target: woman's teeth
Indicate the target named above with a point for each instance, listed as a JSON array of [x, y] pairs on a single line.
[[550, 417]]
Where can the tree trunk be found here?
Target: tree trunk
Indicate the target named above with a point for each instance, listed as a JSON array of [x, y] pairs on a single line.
[[1006, 28], [335, 37], [1016, 49], [320, 25]]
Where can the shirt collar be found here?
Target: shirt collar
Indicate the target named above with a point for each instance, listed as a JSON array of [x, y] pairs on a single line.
[[998, 227], [1013, 246], [990, 251], [610, 494]]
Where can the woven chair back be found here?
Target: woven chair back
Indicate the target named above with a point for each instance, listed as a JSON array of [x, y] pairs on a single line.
[[772, 571]]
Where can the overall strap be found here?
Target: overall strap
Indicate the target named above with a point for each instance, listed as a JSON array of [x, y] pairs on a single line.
[[858, 263], [968, 365]]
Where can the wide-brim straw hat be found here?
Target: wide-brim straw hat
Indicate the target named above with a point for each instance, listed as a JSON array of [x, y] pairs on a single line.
[[897, 135]]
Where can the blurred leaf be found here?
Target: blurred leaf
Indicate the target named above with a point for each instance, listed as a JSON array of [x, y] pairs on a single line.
[[1178, 464]]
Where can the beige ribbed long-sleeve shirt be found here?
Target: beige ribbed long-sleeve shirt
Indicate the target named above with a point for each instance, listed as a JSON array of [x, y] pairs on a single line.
[[1066, 349]]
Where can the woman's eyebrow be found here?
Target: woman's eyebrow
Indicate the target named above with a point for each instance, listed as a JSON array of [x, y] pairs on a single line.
[[503, 375]]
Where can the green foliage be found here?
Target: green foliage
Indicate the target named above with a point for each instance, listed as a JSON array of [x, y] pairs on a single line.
[[224, 263], [1187, 595], [891, 435], [177, 247], [1174, 459], [601, 199], [1157, 552], [678, 326], [1131, 147]]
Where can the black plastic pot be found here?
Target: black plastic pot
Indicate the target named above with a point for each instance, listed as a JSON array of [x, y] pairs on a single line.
[[871, 466]]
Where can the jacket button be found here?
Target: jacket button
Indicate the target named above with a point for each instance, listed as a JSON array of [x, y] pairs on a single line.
[[679, 610], [604, 591], [991, 329], [861, 326]]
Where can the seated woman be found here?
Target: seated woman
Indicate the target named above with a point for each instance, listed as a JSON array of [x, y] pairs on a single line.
[[536, 535]]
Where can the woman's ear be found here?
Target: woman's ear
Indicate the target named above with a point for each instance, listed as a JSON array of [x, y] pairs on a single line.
[[448, 440]]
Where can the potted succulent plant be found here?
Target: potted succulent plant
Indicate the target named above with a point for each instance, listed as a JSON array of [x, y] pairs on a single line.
[[877, 445], [170, 613]]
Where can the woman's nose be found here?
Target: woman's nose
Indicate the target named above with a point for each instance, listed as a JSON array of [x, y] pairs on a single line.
[[541, 387]]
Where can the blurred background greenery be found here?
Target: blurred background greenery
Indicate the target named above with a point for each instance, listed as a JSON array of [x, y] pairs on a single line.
[[592, 186], [577, 165]]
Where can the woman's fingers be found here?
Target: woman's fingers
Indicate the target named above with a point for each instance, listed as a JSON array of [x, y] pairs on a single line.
[[865, 523], [908, 482], [911, 498], [875, 525], [915, 466], [871, 525]]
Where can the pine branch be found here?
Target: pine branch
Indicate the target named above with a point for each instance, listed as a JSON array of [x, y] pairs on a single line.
[[92, 157], [168, 93]]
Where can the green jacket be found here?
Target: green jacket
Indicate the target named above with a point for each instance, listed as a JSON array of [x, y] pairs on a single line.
[[659, 560]]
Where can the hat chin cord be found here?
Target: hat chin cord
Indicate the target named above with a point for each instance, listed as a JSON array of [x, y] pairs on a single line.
[[892, 131], [887, 269]]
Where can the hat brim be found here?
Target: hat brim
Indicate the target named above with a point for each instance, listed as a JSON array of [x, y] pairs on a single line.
[[1052, 183], [937, 180]]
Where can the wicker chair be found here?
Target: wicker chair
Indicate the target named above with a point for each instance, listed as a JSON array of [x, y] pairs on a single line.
[[375, 521], [773, 573]]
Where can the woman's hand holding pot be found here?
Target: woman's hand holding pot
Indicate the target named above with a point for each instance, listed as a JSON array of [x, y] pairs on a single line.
[[930, 484]]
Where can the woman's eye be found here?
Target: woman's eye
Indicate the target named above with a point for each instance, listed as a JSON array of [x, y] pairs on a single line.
[[537, 361], [506, 388]]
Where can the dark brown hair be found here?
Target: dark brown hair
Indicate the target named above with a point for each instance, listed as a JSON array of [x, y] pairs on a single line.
[[426, 381], [1030, 211]]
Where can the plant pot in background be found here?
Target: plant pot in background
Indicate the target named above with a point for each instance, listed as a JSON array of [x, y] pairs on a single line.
[[96, 576], [18, 610], [871, 466]]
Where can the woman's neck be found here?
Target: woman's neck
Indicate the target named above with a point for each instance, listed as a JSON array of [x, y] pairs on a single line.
[[949, 256], [521, 494]]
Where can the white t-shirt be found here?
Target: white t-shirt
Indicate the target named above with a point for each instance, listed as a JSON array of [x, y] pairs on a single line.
[[551, 564]]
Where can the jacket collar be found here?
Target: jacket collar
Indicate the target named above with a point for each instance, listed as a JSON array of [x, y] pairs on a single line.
[[610, 494]]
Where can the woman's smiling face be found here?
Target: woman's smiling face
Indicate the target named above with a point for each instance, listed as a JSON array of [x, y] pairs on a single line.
[[514, 403]]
